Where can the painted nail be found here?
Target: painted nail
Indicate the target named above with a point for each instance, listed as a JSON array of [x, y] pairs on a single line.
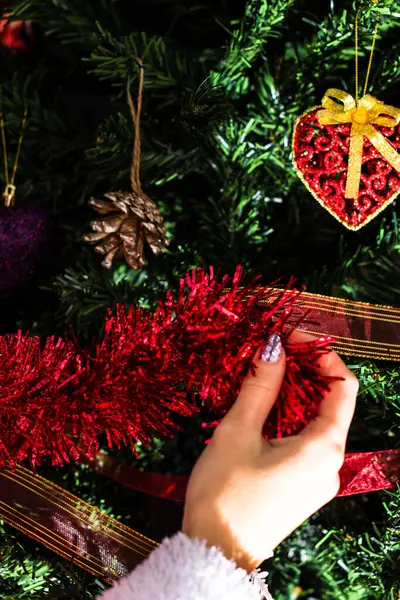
[[272, 349]]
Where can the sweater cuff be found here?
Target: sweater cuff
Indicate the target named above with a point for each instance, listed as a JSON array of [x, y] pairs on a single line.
[[182, 567]]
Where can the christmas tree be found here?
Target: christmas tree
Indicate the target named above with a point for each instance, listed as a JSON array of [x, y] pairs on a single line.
[[224, 82]]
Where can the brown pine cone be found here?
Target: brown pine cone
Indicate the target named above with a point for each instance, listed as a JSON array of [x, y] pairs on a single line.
[[130, 220]]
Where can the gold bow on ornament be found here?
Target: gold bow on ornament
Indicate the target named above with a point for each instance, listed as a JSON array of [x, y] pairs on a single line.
[[362, 116]]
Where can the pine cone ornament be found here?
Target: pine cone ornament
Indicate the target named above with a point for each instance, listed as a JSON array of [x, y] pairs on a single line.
[[131, 217], [130, 220]]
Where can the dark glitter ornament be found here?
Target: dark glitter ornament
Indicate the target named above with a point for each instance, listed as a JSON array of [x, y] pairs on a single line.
[[25, 238]]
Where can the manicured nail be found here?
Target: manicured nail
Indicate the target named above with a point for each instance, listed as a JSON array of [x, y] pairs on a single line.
[[272, 349]]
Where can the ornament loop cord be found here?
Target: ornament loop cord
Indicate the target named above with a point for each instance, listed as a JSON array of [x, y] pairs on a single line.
[[9, 192], [135, 167], [356, 36]]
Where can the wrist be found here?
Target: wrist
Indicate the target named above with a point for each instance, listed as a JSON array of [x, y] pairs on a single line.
[[220, 538]]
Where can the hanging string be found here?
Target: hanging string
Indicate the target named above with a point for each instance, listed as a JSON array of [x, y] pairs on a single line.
[[356, 51], [356, 36], [9, 192], [135, 167], [372, 52]]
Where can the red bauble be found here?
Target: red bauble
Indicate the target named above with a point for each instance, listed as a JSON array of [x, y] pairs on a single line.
[[17, 35], [320, 154]]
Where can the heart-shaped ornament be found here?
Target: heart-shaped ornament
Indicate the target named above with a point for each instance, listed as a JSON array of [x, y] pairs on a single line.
[[346, 155]]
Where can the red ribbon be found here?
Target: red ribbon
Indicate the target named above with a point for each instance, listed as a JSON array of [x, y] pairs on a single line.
[[361, 472], [369, 471]]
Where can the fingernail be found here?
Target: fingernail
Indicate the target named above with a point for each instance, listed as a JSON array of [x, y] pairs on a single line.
[[272, 349]]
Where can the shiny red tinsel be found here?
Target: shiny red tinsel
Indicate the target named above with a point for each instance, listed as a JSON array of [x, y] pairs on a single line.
[[56, 401]]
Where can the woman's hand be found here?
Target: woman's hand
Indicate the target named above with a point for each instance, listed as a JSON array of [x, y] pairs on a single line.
[[246, 494]]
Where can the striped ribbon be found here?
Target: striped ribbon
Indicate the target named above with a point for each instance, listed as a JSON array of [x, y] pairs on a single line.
[[359, 328], [69, 526]]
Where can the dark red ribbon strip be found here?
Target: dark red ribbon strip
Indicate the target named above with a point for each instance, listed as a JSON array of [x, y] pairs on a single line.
[[361, 472], [369, 471]]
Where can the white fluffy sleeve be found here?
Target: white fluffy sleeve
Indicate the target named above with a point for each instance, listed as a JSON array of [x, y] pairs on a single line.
[[182, 568]]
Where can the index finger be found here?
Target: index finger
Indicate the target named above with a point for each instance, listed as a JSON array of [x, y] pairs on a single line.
[[337, 408]]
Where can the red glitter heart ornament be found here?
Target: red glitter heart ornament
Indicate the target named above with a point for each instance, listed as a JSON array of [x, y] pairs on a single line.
[[321, 156]]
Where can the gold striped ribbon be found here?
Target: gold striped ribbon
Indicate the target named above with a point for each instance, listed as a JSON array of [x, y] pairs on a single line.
[[359, 328], [69, 526]]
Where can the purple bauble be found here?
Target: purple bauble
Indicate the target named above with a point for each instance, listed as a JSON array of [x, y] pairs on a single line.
[[25, 234]]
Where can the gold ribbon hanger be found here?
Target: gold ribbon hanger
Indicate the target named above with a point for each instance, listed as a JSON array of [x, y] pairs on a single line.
[[9, 192], [363, 114]]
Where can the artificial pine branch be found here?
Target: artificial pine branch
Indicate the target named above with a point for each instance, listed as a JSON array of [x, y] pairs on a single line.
[[72, 22], [261, 22]]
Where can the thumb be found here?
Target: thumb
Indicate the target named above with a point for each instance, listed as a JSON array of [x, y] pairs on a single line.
[[259, 392]]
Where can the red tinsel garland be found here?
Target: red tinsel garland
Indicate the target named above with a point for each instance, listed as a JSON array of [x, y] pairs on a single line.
[[56, 402]]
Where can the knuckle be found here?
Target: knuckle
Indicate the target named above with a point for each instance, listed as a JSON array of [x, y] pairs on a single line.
[[351, 382], [257, 383], [226, 430], [335, 485], [327, 448], [312, 448], [336, 456], [223, 430]]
